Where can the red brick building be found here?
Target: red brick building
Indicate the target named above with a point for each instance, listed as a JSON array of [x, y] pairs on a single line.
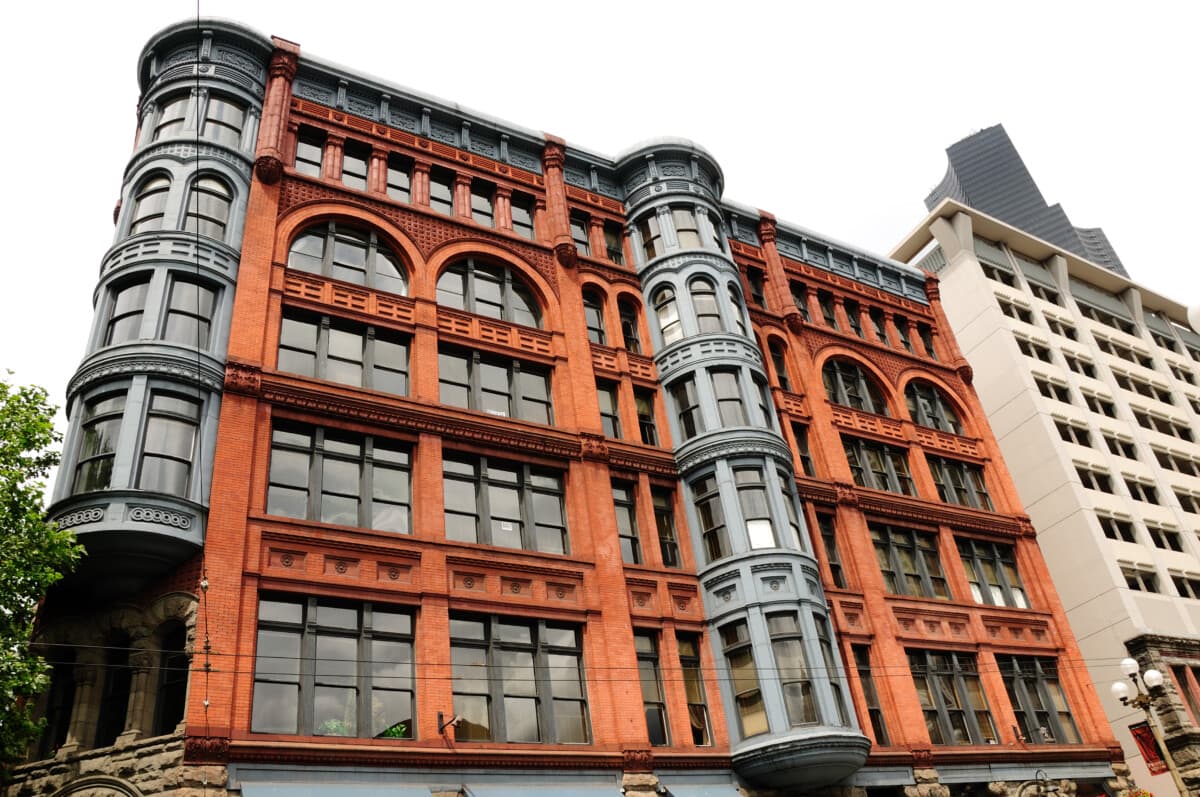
[[541, 470]]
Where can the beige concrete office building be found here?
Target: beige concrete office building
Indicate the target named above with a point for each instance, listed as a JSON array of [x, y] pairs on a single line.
[[1092, 386]]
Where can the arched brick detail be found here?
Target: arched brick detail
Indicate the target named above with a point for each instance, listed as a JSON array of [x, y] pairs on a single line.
[[884, 381], [965, 415], [544, 292], [304, 216]]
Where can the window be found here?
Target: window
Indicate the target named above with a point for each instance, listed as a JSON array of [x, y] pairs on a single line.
[[650, 231], [693, 687], [792, 667], [706, 498], [704, 303], [173, 665], [171, 118], [1107, 318], [614, 236], [1182, 374], [948, 687], [960, 482], [909, 561], [754, 278], [1124, 352], [1178, 462], [847, 384], [666, 310], [116, 685], [653, 701], [355, 157], [399, 177], [59, 702], [832, 668], [854, 316], [579, 233], [1014, 310], [687, 229], [1094, 479], [441, 191], [487, 289], [346, 253], [731, 409], [687, 404], [1165, 341], [1116, 529], [1100, 404], [483, 210], [1159, 423], [1080, 365], [828, 528], [877, 465], [926, 334], [644, 401], [340, 478], [756, 513], [800, 299], [517, 680], [1052, 390], [1167, 539], [862, 663], [333, 668], [929, 406], [593, 316], [747, 696], [309, 149], [779, 361], [1189, 502], [610, 419], [825, 302], [1044, 293], [171, 425], [902, 332], [341, 351], [522, 215], [125, 319], [1187, 682], [624, 495], [501, 386], [1061, 327], [1186, 586], [629, 326], [208, 207], [509, 504], [1142, 387], [712, 235], [1140, 579], [1141, 491], [1038, 700], [149, 205], [99, 432], [223, 122], [664, 522], [735, 302], [190, 310], [991, 569], [1073, 434], [997, 274], [802, 449], [1033, 349]]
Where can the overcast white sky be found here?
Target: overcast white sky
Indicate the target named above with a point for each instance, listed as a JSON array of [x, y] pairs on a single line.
[[832, 115]]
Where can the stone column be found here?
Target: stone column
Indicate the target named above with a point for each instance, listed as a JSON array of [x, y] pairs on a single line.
[[82, 725], [141, 662]]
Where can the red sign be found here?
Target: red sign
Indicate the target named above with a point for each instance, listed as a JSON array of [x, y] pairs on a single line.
[[1143, 735]]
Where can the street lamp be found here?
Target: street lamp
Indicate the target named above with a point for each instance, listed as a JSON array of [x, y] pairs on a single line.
[[1153, 680]]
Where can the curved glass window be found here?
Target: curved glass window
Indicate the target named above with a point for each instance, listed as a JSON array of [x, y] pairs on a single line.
[[666, 309], [150, 203], [487, 289], [348, 253], [208, 207], [739, 316], [847, 384], [687, 230], [172, 116], [651, 234], [223, 122], [704, 302], [928, 406]]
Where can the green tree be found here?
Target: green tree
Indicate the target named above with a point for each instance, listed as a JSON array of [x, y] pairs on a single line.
[[34, 554]]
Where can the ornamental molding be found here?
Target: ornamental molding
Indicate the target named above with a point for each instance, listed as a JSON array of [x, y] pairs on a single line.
[[733, 444], [912, 509], [206, 749], [80, 517], [243, 378], [269, 169], [614, 275], [496, 565], [396, 753], [110, 365], [639, 760], [302, 538], [160, 516]]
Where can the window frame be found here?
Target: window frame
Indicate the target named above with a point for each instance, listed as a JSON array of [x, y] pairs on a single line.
[[654, 702], [529, 483], [962, 672], [910, 561], [520, 404], [960, 482], [333, 236], [878, 466], [512, 287], [991, 567], [929, 406], [848, 384], [1034, 690], [371, 371]]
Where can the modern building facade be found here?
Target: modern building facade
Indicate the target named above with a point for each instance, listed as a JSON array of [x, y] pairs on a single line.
[[531, 470], [1092, 385], [985, 171]]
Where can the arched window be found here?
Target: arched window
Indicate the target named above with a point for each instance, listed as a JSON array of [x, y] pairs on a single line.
[[487, 289], [739, 314], [208, 207], [629, 325], [779, 360], [846, 383], [149, 204], [667, 311], [347, 253], [173, 666], [114, 694], [704, 302], [928, 406], [593, 316]]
